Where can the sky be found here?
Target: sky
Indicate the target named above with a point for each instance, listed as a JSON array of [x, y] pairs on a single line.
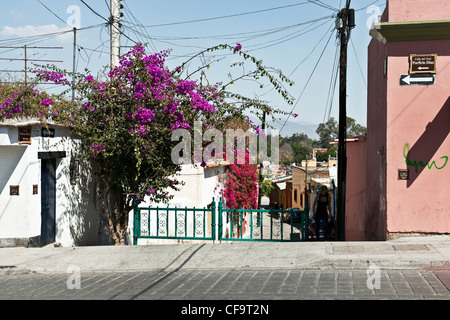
[[297, 37]]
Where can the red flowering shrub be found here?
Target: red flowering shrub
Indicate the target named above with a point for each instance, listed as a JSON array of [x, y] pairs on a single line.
[[240, 187]]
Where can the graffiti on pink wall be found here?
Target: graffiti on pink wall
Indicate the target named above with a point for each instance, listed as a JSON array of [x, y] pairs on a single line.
[[417, 164]]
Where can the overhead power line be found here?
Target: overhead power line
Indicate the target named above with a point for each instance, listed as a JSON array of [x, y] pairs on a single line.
[[59, 18], [95, 12], [43, 37], [373, 3], [108, 21], [307, 82], [332, 88], [255, 34], [323, 5], [283, 39], [140, 26], [359, 64], [26, 59], [228, 16]]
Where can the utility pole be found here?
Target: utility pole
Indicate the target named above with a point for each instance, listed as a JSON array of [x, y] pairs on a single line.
[[114, 32], [345, 23]]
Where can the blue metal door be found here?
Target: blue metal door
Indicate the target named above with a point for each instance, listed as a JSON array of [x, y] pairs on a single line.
[[48, 200]]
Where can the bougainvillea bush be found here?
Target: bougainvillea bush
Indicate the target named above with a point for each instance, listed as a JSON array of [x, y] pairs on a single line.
[[25, 101], [241, 188], [126, 123]]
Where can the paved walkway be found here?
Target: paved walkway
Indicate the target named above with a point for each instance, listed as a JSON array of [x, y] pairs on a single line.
[[405, 268]]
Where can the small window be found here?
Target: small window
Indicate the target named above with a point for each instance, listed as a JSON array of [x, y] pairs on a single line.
[[295, 195], [13, 190]]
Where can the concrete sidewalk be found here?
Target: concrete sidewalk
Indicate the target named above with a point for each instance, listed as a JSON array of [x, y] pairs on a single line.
[[424, 252]]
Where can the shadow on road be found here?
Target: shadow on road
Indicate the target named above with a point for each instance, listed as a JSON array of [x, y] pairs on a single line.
[[164, 269]]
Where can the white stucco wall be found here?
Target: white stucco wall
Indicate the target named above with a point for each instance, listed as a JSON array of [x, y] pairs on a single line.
[[79, 219], [14, 210], [201, 186]]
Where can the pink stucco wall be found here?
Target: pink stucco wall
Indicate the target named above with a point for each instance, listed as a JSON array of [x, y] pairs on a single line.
[[420, 117], [414, 116]]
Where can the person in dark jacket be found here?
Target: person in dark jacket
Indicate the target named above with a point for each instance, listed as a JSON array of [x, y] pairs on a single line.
[[322, 211]]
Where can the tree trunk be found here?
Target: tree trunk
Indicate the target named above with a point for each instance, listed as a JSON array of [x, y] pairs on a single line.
[[117, 210]]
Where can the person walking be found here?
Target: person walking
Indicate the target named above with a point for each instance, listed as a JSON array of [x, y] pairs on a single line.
[[321, 211]]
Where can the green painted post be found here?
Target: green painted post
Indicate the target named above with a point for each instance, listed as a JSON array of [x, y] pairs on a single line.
[[167, 223], [251, 225], [262, 224], [281, 224], [292, 224], [213, 220], [185, 222], [176, 221], [271, 226], [204, 224], [220, 219], [136, 221], [242, 224], [148, 223], [231, 224], [157, 221]]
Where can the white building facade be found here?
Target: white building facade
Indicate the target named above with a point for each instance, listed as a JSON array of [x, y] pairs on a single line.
[[47, 193]]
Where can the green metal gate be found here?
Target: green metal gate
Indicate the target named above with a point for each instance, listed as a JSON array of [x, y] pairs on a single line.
[[262, 225], [174, 223], [233, 224]]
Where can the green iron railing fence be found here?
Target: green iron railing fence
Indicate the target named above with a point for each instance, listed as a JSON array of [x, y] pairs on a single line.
[[174, 223], [233, 224]]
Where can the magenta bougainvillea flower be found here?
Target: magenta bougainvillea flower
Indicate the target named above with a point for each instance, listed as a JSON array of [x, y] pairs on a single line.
[[46, 102]]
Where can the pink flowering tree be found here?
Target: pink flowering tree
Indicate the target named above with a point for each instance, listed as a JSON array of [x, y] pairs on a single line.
[[240, 188], [125, 122]]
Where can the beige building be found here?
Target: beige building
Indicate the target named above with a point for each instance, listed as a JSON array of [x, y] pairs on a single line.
[[306, 178]]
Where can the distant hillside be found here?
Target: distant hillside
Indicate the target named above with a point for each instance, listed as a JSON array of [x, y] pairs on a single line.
[[298, 126], [291, 127]]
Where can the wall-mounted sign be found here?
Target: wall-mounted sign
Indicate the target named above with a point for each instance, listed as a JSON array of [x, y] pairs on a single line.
[[417, 79], [422, 63], [24, 134], [403, 174], [46, 133]]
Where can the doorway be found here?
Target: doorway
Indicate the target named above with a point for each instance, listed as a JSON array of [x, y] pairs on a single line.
[[48, 201]]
